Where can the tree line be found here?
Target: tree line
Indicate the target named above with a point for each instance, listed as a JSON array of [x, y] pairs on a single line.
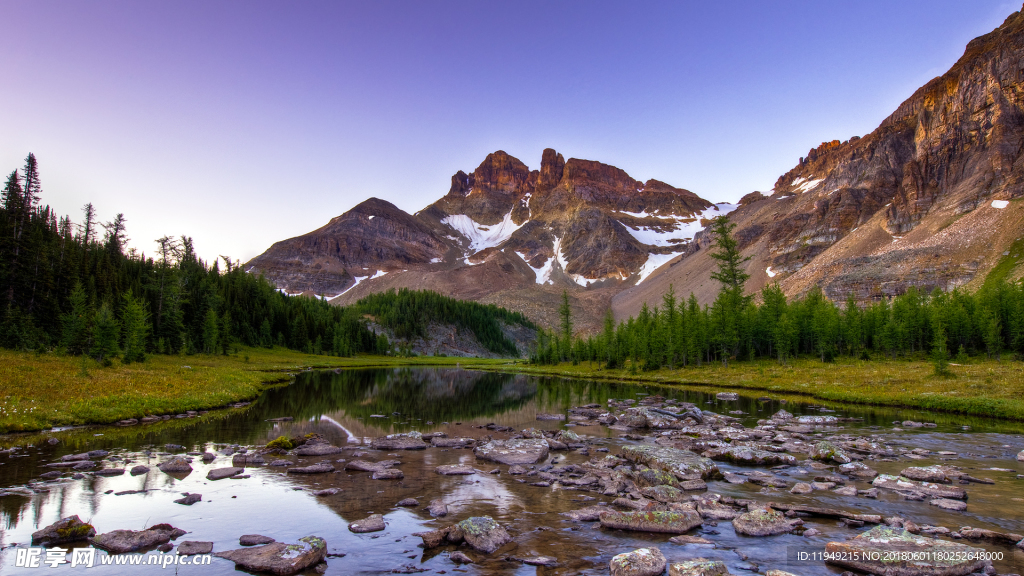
[[75, 287], [681, 332]]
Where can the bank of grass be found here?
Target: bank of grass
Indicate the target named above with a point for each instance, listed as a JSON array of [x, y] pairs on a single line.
[[981, 388], [40, 391]]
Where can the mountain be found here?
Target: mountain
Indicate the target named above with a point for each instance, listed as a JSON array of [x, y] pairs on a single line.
[[503, 234], [930, 198]]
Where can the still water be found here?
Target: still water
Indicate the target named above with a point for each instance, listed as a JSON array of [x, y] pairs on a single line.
[[350, 408]]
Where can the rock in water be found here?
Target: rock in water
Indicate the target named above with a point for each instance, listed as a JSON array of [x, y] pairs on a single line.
[[460, 558], [801, 488], [511, 452], [698, 567], [189, 499], [749, 456], [1020, 456], [828, 452], [176, 464], [641, 562], [279, 558], [408, 503], [222, 473], [317, 449], [68, 529], [641, 521], [761, 522], [191, 547], [407, 441], [484, 534], [904, 484], [121, 541], [872, 552], [455, 470], [437, 508], [683, 464], [372, 523], [140, 469], [255, 540], [320, 468]]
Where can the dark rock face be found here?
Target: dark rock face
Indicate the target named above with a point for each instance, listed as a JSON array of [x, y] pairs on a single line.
[[279, 558]]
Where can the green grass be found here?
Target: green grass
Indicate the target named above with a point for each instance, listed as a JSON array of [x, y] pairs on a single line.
[[44, 390], [982, 388], [1001, 271]]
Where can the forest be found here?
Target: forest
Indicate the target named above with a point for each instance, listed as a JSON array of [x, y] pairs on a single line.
[[680, 332], [76, 288]]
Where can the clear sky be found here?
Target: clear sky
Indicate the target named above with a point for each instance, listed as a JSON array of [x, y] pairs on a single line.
[[243, 123]]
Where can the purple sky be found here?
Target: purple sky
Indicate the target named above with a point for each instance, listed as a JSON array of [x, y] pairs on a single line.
[[244, 123]]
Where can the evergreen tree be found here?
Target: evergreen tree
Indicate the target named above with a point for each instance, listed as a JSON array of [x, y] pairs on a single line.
[[105, 335], [565, 317], [211, 330], [75, 323], [135, 321]]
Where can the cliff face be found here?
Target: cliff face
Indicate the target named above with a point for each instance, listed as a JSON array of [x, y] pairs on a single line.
[[910, 204]]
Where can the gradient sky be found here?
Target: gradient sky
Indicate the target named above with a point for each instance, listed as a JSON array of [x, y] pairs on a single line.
[[243, 123]]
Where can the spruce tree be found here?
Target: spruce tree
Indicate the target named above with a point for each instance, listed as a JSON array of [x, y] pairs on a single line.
[[105, 335], [75, 322], [135, 321]]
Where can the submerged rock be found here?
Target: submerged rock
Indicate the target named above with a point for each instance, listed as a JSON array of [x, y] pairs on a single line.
[[750, 456], [519, 451], [406, 441], [319, 468], [657, 521], [255, 540], [682, 464], [947, 504], [279, 558], [460, 558], [408, 503], [387, 474], [437, 508], [222, 473], [698, 567], [930, 489], [68, 529], [874, 551], [641, 562], [455, 470], [192, 547]]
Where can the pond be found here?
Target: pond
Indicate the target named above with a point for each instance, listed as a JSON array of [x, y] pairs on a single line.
[[351, 408]]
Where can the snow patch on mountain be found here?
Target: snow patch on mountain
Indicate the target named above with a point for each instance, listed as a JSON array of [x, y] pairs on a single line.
[[482, 236]]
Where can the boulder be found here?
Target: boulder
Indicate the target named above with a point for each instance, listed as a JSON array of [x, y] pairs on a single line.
[[437, 508], [947, 504], [817, 420], [588, 514], [641, 562], [319, 468], [484, 534], [873, 552], [715, 511], [407, 441], [372, 523], [408, 503], [858, 470], [682, 464], [191, 547], [782, 416], [937, 474], [122, 541], [279, 558], [1020, 456], [655, 521], [460, 558], [664, 494], [439, 442], [727, 396], [749, 456], [455, 470], [826, 451], [644, 417], [68, 529], [698, 567], [801, 488], [519, 451], [762, 522], [140, 469], [222, 473], [189, 499]]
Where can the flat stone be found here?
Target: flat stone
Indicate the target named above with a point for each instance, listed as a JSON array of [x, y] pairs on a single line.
[[947, 504], [407, 441], [727, 396], [387, 474], [244, 460], [538, 560], [846, 491], [109, 472], [139, 469], [826, 512], [801, 488], [762, 522], [734, 478], [937, 474], [683, 464], [825, 451], [543, 416], [484, 534], [319, 468], [279, 558], [931, 489], [640, 562], [318, 449], [872, 551], [684, 539], [222, 473], [664, 494], [437, 508], [122, 541], [440, 442], [455, 470], [858, 470], [326, 492], [642, 521], [715, 510], [518, 451], [408, 503], [255, 540], [698, 567], [817, 420], [189, 499], [191, 547], [372, 523], [588, 514], [749, 456], [69, 529]]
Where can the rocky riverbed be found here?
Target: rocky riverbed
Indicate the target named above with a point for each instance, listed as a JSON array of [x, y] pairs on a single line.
[[448, 471]]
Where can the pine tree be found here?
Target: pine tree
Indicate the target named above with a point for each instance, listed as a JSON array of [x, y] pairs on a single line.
[[211, 331], [135, 321], [565, 316], [105, 335], [75, 322]]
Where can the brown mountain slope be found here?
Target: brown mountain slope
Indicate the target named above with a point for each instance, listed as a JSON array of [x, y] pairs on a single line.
[[910, 204]]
